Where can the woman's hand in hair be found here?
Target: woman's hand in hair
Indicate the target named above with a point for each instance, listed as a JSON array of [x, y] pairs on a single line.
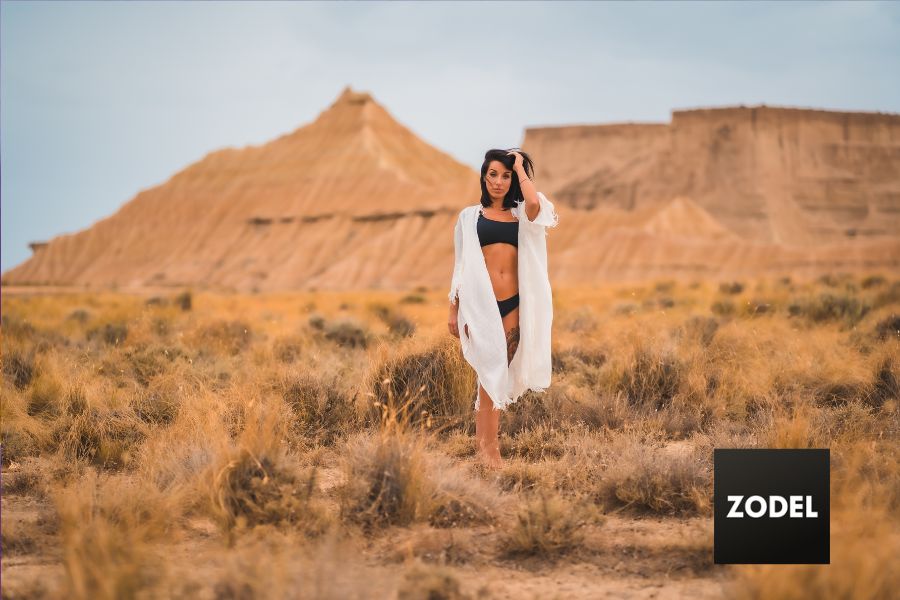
[[519, 161]]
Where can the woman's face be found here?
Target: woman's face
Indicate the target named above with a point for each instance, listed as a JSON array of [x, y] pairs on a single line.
[[497, 179]]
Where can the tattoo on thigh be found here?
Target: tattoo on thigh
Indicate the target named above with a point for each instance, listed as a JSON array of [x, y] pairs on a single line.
[[512, 342]]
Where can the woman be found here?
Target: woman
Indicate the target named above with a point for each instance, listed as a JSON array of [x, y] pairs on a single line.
[[500, 293]]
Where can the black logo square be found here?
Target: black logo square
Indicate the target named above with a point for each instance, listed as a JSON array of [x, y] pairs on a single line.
[[771, 506]]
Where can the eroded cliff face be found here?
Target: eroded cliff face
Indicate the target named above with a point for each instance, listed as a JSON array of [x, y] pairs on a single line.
[[779, 175], [349, 199], [355, 200]]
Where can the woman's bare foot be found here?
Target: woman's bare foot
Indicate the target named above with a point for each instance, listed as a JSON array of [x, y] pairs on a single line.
[[491, 458], [495, 463]]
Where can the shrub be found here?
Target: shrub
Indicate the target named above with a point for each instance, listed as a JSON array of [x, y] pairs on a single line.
[[889, 327], [873, 281], [287, 348], [886, 384], [112, 334], [184, 300], [431, 582], [652, 378], [19, 366], [250, 490], [547, 526], [159, 403], [657, 480], [149, 361], [664, 287], [347, 332], [317, 322], [757, 307], [422, 386], [387, 481], [398, 325], [106, 527], [156, 301], [392, 479], [45, 397], [231, 337], [581, 320], [322, 412], [518, 475], [699, 327], [723, 308], [253, 484], [576, 358], [831, 307], [734, 287], [15, 327], [539, 442], [79, 315], [888, 297], [105, 438]]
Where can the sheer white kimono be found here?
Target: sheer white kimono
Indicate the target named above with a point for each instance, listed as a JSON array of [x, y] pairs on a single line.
[[485, 346]]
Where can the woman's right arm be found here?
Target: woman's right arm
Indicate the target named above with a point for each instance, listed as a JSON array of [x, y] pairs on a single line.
[[457, 277]]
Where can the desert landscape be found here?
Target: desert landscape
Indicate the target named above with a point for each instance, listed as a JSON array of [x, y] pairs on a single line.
[[320, 444], [355, 200], [241, 384]]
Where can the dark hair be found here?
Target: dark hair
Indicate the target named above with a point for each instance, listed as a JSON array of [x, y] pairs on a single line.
[[515, 192]]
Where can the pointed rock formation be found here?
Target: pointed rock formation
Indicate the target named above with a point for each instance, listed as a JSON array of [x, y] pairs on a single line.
[[305, 209]]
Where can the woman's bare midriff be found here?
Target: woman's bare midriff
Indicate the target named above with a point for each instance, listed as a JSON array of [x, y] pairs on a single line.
[[502, 262]]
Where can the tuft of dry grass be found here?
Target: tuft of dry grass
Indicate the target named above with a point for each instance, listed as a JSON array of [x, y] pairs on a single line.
[[547, 526], [431, 582], [107, 525], [538, 442], [522, 476], [652, 377], [398, 325], [658, 479], [425, 382], [223, 336], [19, 365], [322, 412], [253, 483], [347, 332], [845, 308], [104, 437], [393, 477]]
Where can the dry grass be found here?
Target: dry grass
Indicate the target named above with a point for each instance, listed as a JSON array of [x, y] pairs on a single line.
[[107, 526], [393, 477], [223, 446], [865, 538], [547, 526], [253, 483]]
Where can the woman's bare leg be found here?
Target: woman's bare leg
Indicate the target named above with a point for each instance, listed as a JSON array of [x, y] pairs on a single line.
[[487, 422]]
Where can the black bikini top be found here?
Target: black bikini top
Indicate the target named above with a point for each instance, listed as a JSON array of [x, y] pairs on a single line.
[[497, 232]]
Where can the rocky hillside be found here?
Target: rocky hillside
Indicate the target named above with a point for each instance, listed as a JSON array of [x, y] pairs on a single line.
[[355, 200]]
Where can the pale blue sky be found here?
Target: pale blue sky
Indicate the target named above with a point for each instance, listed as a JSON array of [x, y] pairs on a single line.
[[101, 100]]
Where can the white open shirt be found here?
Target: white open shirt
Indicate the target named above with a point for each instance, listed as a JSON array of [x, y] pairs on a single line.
[[485, 346]]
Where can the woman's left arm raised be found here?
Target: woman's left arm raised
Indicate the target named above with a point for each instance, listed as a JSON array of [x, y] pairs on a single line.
[[529, 192]]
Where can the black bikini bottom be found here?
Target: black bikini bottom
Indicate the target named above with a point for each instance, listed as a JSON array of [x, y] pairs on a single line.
[[508, 305]]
